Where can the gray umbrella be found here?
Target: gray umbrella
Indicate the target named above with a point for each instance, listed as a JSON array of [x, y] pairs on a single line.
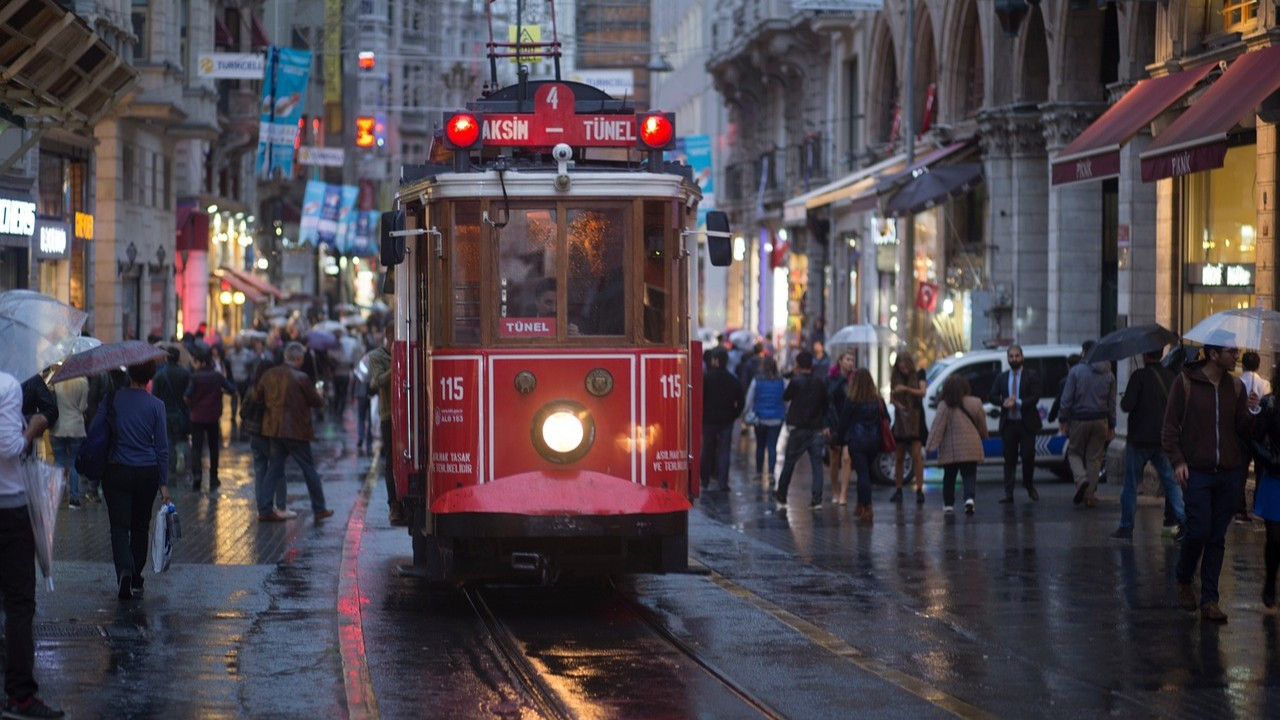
[[932, 186], [1130, 341]]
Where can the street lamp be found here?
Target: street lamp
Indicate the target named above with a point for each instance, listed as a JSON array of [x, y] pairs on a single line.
[[1010, 14], [659, 64]]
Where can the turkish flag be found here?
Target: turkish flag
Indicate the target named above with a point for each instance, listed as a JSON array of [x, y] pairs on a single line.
[[927, 296]]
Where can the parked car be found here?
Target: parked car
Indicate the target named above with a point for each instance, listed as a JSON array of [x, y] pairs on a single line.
[[980, 368]]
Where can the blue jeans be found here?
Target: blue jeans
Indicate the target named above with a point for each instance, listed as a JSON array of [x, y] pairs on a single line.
[[1212, 499], [260, 451], [300, 451], [65, 450], [800, 441], [767, 439], [717, 441], [1135, 459]]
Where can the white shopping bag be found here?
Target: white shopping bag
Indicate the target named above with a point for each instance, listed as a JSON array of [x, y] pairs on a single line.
[[166, 531]]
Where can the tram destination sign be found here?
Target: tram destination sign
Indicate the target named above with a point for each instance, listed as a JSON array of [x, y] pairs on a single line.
[[554, 121]]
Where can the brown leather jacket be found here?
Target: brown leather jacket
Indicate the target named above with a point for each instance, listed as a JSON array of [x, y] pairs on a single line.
[[1203, 424], [289, 396]]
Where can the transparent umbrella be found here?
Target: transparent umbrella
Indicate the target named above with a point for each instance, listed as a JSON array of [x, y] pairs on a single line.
[[1246, 328], [33, 329], [860, 335]]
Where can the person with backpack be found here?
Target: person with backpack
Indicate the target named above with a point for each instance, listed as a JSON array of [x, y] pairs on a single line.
[[1207, 414], [958, 429], [1145, 400], [764, 403]]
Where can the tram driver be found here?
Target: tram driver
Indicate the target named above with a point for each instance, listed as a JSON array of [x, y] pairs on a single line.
[[545, 302]]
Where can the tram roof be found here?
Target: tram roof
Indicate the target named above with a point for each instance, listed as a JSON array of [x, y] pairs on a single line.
[[526, 183]]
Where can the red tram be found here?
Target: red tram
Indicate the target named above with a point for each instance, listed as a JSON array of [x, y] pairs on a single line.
[[547, 391]]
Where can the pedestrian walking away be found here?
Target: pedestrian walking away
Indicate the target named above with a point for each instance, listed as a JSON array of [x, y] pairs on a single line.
[[958, 429], [908, 385], [1088, 419], [137, 465], [1016, 392], [806, 428], [721, 405], [860, 413], [170, 387], [290, 396], [68, 433], [837, 379], [204, 398], [18, 557], [764, 402], [1208, 412], [1145, 400], [1266, 498], [1254, 384]]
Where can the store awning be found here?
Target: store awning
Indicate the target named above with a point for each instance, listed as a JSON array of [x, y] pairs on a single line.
[[857, 190], [260, 41], [192, 231], [261, 285], [237, 284], [1095, 153], [931, 179], [1197, 140], [55, 69], [221, 35], [893, 181]]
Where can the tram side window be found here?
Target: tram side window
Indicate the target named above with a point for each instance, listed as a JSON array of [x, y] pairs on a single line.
[[596, 292], [656, 278], [527, 264], [465, 272]]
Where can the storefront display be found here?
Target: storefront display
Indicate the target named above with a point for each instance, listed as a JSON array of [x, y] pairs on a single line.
[[1218, 237]]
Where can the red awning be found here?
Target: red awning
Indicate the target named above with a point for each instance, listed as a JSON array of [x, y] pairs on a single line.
[[192, 232], [1095, 154], [237, 283], [1197, 140], [260, 41], [261, 285], [221, 35]]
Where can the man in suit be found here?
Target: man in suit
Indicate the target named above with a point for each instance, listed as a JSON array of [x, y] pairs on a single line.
[[1016, 391]]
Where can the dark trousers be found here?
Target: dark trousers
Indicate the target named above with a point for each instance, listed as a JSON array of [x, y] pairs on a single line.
[[799, 442], [341, 386], [18, 585], [1019, 441], [861, 456], [767, 444], [388, 465], [1211, 500], [199, 433], [717, 443], [130, 493], [969, 475], [364, 424], [1271, 556], [300, 451]]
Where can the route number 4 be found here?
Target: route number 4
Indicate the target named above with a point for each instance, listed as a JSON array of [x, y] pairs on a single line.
[[451, 388], [553, 97], [671, 386]]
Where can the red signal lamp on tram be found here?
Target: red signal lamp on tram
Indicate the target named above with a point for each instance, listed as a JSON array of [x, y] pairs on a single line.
[[462, 131], [656, 131]]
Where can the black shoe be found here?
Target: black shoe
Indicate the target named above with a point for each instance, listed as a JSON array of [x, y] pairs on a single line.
[[34, 707], [1080, 491], [1123, 534], [126, 587], [214, 484], [1006, 500], [920, 496], [897, 496], [1033, 493]]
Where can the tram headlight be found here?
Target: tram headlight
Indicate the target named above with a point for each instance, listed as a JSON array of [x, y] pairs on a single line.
[[563, 431]]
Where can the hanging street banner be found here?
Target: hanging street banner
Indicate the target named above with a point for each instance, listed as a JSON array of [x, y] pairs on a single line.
[[283, 91], [321, 156], [312, 198], [695, 151], [235, 66], [362, 241], [342, 239]]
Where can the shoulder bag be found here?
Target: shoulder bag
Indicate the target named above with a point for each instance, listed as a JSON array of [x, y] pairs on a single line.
[[887, 443], [95, 451]]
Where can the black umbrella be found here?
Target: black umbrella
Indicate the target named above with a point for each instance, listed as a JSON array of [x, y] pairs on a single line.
[[1131, 341], [932, 186]]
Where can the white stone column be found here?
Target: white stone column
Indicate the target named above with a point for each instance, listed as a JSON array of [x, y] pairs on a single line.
[[1137, 213], [1074, 237], [109, 216]]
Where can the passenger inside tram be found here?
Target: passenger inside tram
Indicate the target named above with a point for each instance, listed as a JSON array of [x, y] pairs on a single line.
[[545, 303]]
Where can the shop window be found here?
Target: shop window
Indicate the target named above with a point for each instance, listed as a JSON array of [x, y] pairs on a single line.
[[52, 185], [1217, 217], [596, 290], [464, 269]]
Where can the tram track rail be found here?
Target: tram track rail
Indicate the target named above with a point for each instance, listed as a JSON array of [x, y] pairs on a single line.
[[547, 700]]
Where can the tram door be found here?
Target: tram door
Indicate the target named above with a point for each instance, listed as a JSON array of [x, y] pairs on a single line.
[[409, 379]]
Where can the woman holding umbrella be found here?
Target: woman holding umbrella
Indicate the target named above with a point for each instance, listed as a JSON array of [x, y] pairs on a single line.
[[137, 465]]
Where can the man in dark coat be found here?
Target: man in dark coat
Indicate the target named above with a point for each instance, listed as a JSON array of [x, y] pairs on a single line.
[[1145, 399], [721, 406], [807, 432], [1016, 392], [170, 387]]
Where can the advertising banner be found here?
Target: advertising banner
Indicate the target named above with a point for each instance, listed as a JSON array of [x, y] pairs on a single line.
[[695, 151], [330, 209], [312, 199], [363, 242], [322, 156], [283, 91], [344, 238]]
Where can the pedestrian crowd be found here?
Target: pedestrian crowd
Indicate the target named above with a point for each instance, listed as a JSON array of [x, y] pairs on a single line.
[[1198, 426]]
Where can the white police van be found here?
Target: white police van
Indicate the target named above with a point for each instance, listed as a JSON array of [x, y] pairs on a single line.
[[981, 368]]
